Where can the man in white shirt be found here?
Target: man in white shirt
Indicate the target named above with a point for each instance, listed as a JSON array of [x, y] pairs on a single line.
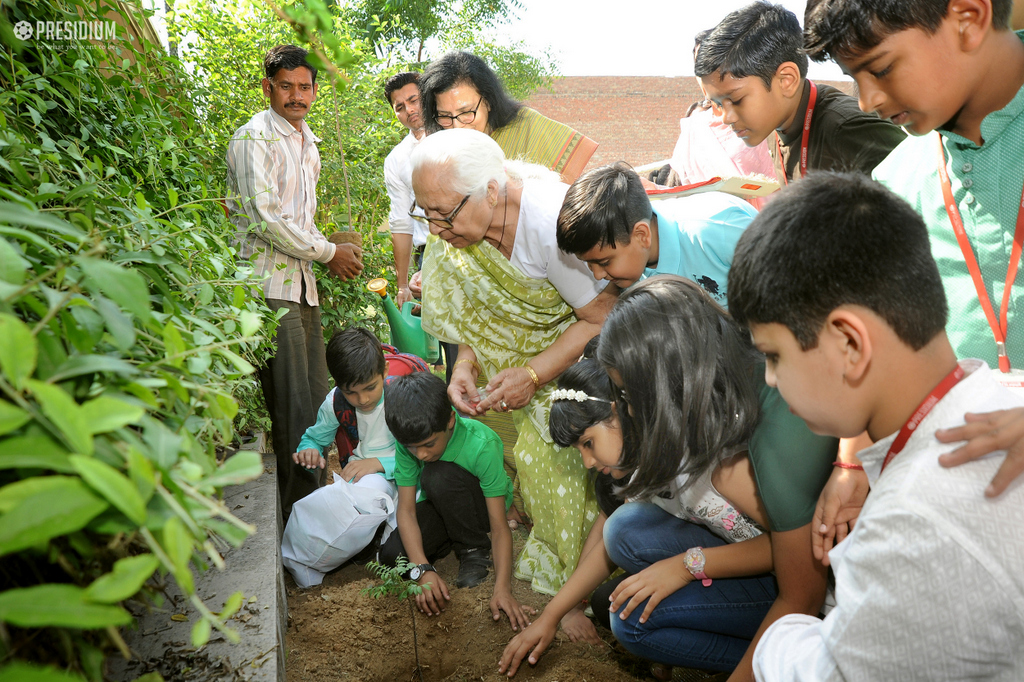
[[273, 168], [403, 94]]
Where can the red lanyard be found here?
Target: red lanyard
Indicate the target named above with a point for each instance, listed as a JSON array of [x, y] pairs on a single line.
[[803, 139], [998, 325], [951, 380]]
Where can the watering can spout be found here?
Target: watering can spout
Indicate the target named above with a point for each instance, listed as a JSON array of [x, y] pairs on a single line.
[[407, 333]]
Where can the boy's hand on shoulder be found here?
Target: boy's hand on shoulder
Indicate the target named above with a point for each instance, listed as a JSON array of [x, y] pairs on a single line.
[[986, 433], [357, 468], [309, 458], [518, 614], [432, 601]]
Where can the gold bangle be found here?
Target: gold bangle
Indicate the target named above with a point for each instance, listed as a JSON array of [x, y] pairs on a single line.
[[473, 362], [533, 375]]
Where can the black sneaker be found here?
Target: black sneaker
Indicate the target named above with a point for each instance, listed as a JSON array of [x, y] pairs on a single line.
[[473, 565]]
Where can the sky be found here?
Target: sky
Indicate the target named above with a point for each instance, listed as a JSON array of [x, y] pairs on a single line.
[[604, 38]]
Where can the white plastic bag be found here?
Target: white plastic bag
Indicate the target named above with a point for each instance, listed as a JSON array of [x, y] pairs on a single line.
[[330, 526]]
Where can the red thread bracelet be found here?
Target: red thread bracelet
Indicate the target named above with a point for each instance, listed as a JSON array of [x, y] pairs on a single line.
[[844, 465]]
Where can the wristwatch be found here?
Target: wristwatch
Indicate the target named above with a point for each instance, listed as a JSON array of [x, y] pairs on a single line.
[[416, 571], [694, 561]]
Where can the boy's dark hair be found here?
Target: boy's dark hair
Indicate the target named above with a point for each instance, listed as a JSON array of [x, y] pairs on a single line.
[[753, 41], [416, 407], [601, 208], [354, 356], [846, 28], [837, 239], [569, 419], [688, 373], [397, 82], [465, 67], [286, 57]]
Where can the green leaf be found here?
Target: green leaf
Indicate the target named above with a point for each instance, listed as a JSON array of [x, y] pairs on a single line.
[[77, 365], [34, 452], [61, 409], [125, 580], [201, 632], [243, 466], [174, 345], [12, 417], [240, 363], [113, 485], [227, 405], [178, 544], [22, 672], [57, 605], [107, 414], [250, 322], [12, 266], [18, 349], [118, 324], [172, 196], [126, 287], [205, 294], [16, 214], [231, 606], [61, 506], [141, 472]]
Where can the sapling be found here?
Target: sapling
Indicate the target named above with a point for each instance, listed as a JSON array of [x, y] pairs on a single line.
[[394, 585]]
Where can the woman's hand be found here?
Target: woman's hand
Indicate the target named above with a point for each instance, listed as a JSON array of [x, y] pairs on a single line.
[[654, 583], [838, 507], [309, 458], [510, 389], [985, 433], [416, 284], [462, 389], [534, 640], [579, 628]]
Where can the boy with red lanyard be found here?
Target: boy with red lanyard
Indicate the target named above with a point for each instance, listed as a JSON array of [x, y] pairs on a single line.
[[951, 66], [852, 324], [754, 67]]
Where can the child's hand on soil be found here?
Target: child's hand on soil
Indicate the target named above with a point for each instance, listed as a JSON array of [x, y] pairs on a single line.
[[357, 468], [654, 583], [579, 628], [518, 614], [533, 640], [309, 458], [434, 600]]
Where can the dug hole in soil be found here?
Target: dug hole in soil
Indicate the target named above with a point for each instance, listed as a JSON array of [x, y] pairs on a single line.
[[335, 632]]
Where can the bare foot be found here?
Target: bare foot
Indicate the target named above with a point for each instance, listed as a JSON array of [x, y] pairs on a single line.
[[579, 627]]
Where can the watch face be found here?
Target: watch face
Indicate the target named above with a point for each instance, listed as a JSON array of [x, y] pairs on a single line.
[[415, 572], [694, 560]]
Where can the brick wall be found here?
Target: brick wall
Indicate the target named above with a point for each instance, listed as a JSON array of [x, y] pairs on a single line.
[[635, 119]]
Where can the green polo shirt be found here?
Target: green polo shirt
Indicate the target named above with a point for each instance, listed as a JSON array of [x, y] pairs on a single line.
[[986, 182], [475, 448]]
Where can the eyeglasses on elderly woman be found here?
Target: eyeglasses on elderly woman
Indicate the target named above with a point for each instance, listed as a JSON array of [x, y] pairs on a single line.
[[444, 222]]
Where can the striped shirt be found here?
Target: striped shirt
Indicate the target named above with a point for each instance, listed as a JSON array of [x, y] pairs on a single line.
[[272, 174]]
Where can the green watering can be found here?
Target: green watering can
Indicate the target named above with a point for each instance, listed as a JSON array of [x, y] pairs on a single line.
[[407, 333]]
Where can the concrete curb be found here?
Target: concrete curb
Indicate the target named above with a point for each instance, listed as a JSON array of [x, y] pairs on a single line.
[[163, 645]]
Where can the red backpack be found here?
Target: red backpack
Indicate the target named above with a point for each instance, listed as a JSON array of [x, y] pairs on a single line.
[[398, 364]]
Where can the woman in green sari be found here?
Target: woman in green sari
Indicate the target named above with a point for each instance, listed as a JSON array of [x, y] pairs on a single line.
[[521, 312]]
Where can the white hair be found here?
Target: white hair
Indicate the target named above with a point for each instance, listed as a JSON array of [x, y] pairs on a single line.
[[469, 160]]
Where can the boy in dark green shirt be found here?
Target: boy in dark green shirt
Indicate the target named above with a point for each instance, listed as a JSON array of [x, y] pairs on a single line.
[[458, 465]]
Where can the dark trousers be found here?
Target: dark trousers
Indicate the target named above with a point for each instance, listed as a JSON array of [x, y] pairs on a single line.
[[294, 384], [453, 517]]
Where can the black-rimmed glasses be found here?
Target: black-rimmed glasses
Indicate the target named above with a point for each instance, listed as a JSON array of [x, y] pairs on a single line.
[[445, 222], [465, 118]]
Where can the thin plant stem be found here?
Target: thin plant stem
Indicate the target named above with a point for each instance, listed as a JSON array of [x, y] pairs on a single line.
[[415, 640]]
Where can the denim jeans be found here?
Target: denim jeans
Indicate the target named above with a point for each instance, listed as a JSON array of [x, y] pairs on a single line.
[[696, 627]]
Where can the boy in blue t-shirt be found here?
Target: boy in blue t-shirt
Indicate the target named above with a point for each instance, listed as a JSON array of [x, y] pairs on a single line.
[[608, 222], [459, 466]]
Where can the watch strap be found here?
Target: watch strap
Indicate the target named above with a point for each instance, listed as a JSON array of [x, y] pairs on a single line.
[[694, 561]]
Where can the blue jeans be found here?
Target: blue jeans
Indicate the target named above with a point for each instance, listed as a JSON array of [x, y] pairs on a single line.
[[696, 627]]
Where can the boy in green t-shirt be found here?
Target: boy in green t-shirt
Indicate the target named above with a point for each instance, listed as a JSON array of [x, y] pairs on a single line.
[[459, 466]]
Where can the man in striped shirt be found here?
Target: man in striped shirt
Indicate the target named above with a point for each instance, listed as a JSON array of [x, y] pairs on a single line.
[[273, 168]]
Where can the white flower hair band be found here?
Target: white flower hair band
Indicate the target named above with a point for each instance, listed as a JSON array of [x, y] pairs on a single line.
[[572, 394]]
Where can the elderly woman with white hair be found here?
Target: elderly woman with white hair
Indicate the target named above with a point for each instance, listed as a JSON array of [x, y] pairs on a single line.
[[521, 311]]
